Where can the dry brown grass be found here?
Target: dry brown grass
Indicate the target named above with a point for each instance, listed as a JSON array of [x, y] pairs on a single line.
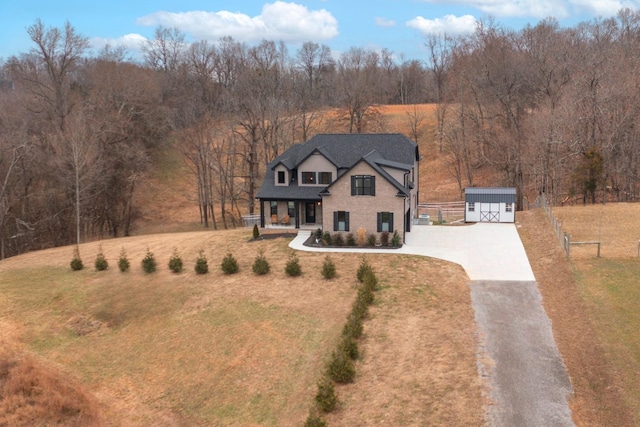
[[615, 225], [187, 349], [33, 393], [418, 363], [598, 382]]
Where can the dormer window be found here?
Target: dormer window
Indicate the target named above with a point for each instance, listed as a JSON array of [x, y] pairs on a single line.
[[308, 177], [324, 178], [281, 177]]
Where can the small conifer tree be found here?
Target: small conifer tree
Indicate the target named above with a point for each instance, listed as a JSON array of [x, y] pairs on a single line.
[[175, 262], [261, 265], [229, 264], [256, 231], [123, 261], [293, 268], [328, 268], [149, 262], [101, 262], [202, 266], [76, 262]]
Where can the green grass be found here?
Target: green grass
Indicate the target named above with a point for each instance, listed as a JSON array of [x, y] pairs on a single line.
[[610, 287]]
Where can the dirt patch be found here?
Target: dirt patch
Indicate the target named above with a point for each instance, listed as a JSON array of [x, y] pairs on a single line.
[[596, 399]]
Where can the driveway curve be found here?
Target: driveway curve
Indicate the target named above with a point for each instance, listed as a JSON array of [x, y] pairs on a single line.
[[517, 355]]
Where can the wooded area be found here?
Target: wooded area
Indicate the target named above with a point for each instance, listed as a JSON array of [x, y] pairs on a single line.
[[552, 109]]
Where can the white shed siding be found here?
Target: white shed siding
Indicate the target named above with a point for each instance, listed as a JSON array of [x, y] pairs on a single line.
[[489, 205]]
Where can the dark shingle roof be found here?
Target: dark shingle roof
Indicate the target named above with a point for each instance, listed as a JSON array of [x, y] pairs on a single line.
[[490, 195], [345, 151]]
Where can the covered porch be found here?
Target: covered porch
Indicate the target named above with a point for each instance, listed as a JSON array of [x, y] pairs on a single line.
[[303, 214]]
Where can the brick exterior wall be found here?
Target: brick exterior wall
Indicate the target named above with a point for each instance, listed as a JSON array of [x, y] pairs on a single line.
[[363, 209]]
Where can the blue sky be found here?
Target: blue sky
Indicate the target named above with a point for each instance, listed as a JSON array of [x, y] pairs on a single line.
[[398, 25]]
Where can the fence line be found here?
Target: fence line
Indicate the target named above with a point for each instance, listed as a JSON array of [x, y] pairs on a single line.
[[564, 238]]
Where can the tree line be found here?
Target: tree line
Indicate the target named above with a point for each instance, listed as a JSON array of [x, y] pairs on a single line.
[[552, 109]]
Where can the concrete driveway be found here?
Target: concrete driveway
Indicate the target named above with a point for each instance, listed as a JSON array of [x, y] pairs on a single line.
[[517, 355]]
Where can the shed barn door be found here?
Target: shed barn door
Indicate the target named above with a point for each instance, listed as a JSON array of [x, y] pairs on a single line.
[[489, 212]]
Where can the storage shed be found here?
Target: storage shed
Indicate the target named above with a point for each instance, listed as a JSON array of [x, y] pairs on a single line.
[[489, 204]]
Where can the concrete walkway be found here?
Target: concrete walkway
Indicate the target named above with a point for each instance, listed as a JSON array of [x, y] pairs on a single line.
[[527, 381]]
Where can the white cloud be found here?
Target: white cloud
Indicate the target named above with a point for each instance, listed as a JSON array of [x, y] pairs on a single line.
[[289, 22], [449, 24], [132, 42], [517, 8], [384, 22], [603, 8]]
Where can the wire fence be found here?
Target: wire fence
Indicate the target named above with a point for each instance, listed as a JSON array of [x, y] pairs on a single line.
[[564, 238], [442, 212]]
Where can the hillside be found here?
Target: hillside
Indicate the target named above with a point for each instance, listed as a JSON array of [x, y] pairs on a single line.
[[168, 197]]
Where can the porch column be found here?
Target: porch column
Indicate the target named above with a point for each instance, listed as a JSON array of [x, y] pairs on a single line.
[[297, 208], [261, 213]]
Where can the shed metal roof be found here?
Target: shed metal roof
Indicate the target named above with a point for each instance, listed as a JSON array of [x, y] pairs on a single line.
[[490, 195]]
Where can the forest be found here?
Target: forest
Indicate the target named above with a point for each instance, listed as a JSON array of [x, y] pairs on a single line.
[[550, 110]]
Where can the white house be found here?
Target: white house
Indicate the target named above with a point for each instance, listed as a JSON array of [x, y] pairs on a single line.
[[489, 204]]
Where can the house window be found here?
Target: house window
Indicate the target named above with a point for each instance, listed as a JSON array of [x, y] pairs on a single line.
[[291, 208], [385, 221], [274, 208], [281, 177], [472, 207], [363, 185], [324, 178], [308, 177], [508, 207], [340, 221]]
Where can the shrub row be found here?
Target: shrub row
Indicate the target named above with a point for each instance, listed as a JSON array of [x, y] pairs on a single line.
[[361, 239], [341, 366], [229, 264], [149, 265]]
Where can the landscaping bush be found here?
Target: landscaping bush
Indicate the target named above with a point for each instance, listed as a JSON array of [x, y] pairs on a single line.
[[384, 238], [318, 235], [202, 266], [326, 399], [338, 239], [76, 262], [149, 262], [229, 264], [395, 240], [293, 268], [123, 261], [261, 265], [314, 420], [351, 240], [101, 263], [256, 231], [372, 239], [362, 236], [349, 346], [353, 328], [363, 269], [326, 238], [369, 280], [328, 268], [175, 262], [341, 368]]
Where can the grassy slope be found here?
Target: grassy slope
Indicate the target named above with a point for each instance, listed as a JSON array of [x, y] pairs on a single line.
[[186, 349]]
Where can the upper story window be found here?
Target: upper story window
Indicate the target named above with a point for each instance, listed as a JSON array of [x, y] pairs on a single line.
[[281, 177], [324, 178], [308, 177], [363, 185]]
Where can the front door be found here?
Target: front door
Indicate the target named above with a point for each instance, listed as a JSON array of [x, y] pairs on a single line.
[[310, 217]]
